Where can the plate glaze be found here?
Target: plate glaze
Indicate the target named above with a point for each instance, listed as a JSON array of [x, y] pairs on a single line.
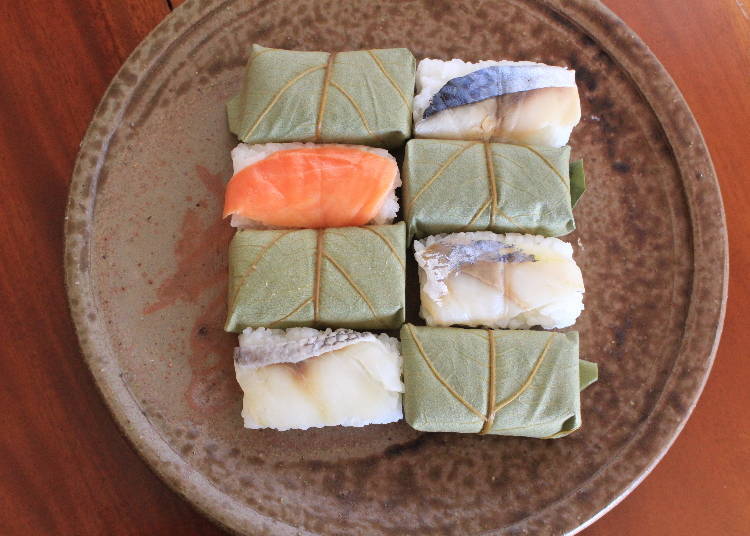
[[146, 275]]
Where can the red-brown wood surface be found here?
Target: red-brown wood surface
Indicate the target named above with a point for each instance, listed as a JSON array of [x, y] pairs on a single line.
[[65, 467]]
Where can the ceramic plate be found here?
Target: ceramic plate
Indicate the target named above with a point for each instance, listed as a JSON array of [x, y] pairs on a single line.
[[146, 274]]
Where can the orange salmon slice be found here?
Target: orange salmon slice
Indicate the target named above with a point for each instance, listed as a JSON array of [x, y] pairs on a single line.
[[312, 187]]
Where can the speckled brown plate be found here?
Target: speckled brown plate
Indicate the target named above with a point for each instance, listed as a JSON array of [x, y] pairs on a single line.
[[146, 274]]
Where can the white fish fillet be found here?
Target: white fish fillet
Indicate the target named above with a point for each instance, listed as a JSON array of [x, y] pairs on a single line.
[[305, 378], [543, 116], [244, 155], [499, 281]]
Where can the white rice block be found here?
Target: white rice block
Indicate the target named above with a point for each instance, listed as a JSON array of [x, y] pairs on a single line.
[[538, 112], [244, 155], [304, 378], [498, 281]]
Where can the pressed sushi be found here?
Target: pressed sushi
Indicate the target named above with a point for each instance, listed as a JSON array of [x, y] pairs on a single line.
[[502, 382], [344, 277], [282, 185], [452, 185], [498, 281], [362, 96], [305, 378], [503, 101]]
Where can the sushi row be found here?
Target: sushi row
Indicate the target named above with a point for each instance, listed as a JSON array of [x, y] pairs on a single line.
[[448, 186], [502, 382], [368, 97], [354, 277], [313, 195]]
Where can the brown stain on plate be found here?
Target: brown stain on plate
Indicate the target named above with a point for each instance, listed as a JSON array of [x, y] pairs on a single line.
[[212, 386], [146, 275], [195, 248]]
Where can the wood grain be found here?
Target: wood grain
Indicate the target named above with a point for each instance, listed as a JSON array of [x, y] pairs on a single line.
[[65, 467], [67, 470], [702, 485]]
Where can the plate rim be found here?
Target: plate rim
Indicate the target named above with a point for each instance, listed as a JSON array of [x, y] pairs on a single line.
[[697, 175]]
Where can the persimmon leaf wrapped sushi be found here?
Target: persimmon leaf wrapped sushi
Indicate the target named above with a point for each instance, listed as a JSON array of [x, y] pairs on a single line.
[[498, 281], [361, 97], [505, 101], [502, 382], [349, 277], [282, 185], [452, 186], [305, 378]]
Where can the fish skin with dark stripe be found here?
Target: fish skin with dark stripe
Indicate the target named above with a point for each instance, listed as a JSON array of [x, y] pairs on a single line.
[[488, 83]]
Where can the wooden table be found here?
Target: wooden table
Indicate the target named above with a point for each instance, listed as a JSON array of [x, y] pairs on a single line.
[[65, 468]]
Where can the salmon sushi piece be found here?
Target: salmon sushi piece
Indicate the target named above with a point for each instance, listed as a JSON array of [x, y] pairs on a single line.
[[307, 185]]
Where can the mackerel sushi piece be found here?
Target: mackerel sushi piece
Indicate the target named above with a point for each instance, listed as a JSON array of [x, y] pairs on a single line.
[[307, 185], [498, 281], [501, 101], [304, 378]]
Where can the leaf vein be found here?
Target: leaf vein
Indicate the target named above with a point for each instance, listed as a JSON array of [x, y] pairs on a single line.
[[500, 405], [319, 253], [502, 213], [438, 377], [389, 244], [561, 433], [280, 94], [351, 282], [490, 415], [476, 215], [356, 108], [246, 275], [324, 95], [438, 173], [380, 65], [491, 179], [288, 315], [549, 164]]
